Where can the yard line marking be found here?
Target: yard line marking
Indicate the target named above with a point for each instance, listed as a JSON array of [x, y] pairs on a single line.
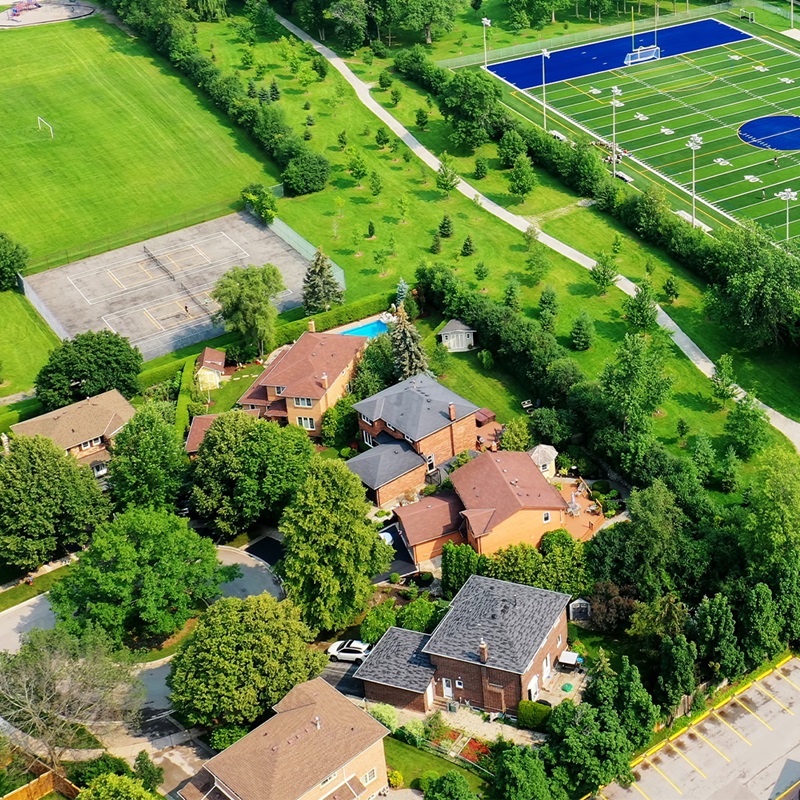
[[688, 761], [152, 319], [772, 696], [712, 746], [116, 280], [664, 776], [740, 735], [747, 708], [635, 785]]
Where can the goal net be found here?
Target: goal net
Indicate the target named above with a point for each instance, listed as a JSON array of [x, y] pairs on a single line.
[[642, 54], [750, 16], [44, 124]]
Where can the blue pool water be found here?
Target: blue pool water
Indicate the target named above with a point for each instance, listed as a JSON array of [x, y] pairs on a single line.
[[370, 329]]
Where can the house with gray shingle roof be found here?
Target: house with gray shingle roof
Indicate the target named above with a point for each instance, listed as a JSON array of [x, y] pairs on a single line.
[[498, 644], [457, 336]]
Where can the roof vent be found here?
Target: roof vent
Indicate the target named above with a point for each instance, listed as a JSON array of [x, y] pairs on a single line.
[[317, 723]]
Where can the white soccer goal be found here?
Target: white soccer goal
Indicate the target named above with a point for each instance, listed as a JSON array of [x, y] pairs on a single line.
[[750, 16], [47, 125], [642, 54]]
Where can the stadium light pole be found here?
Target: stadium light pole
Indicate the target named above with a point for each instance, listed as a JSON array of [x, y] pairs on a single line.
[[694, 144], [615, 104], [545, 55], [487, 23], [788, 195]]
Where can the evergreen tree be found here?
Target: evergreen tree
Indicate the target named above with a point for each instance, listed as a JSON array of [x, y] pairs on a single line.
[[341, 138], [723, 381], [263, 96], [381, 138], [641, 310], [761, 626], [409, 355], [446, 227], [548, 301], [357, 166], [401, 291], [371, 230], [468, 248], [582, 333], [604, 272], [321, 290], [421, 118], [436, 244], [375, 183], [637, 712], [481, 271], [676, 673], [729, 471], [713, 630], [481, 168], [274, 91], [459, 561], [511, 294], [704, 457]]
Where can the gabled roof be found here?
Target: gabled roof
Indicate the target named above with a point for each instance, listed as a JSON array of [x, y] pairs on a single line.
[[456, 326], [543, 454], [399, 660], [92, 418], [300, 368], [385, 462], [199, 428], [417, 407], [315, 732], [511, 618], [430, 518], [495, 486], [211, 359]]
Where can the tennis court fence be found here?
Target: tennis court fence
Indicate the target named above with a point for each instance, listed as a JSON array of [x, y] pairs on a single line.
[[303, 246], [42, 308]]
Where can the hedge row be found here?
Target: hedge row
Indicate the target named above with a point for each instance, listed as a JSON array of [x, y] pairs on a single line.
[[184, 397], [156, 375]]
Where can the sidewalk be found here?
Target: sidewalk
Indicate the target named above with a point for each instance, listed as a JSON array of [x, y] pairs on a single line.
[[789, 427]]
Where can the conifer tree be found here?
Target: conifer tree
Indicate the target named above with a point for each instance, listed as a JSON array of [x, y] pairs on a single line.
[[468, 248], [320, 288], [582, 333], [409, 357], [446, 227], [274, 91]]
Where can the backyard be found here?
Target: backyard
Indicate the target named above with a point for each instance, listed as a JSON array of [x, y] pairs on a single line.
[[413, 763]]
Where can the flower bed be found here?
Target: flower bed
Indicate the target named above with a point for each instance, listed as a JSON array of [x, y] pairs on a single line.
[[474, 751]]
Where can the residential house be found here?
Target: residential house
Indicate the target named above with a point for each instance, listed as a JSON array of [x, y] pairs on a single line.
[[84, 429], [544, 456], [210, 369], [411, 428], [457, 337], [426, 526], [318, 746], [497, 644], [199, 428], [306, 379]]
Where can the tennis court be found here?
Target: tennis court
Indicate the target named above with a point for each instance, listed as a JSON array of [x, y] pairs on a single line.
[[729, 89], [158, 293]]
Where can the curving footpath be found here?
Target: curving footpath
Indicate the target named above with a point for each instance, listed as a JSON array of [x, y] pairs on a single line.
[[788, 427]]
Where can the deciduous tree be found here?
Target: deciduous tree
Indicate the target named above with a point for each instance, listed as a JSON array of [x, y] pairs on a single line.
[[641, 309], [321, 290], [470, 102], [516, 435], [760, 625], [116, 787], [450, 786], [378, 620], [712, 628], [748, 427], [510, 147], [13, 259], [446, 178], [519, 774], [604, 272], [423, 15], [351, 22], [522, 179], [723, 381], [676, 676]]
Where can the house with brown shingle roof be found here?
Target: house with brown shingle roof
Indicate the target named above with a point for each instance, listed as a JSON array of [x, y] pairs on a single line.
[[318, 746], [199, 428], [84, 429], [306, 379]]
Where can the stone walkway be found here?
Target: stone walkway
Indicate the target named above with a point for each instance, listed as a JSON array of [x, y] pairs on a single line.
[[789, 427]]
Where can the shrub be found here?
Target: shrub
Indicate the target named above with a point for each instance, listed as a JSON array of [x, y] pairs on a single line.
[[426, 779], [394, 578], [532, 716], [425, 578], [380, 49], [224, 737], [385, 80], [82, 773], [386, 715], [412, 733], [395, 779], [307, 172], [435, 727]]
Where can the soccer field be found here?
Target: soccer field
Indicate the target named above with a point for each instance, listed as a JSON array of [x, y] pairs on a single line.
[[134, 143], [738, 92]]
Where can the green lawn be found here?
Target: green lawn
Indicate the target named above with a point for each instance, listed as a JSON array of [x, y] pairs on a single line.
[[413, 763], [228, 394], [588, 643], [19, 594], [134, 143], [25, 342]]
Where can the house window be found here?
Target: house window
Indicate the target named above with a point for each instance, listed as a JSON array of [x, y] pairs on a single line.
[[307, 423], [390, 427], [279, 390], [303, 402], [446, 337], [459, 684], [99, 470], [366, 436], [96, 441], [369, 777], [543, 468], [408, 438], [329, 778], [85, 445], [365, 419], [431, 459], [546, 516]]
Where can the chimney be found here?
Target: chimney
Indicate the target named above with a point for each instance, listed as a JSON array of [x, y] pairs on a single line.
[[317, 723], [324, 380], [451, 407], [312, 326], [483, 651]]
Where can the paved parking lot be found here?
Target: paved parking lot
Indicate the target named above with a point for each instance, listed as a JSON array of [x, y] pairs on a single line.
[[745, 749]]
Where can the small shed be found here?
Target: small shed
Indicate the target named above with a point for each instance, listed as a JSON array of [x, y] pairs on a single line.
[[544, 456], [457, 337], [210, 369], [580, 609]]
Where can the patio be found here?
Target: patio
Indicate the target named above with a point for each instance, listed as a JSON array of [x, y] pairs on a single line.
[[555, 690], [585, 517]]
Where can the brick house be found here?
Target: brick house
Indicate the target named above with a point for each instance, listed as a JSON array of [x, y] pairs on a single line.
[[85, 429], [199, 428], [306, 379], [426, 526], [410, 429], [318, 746], [497, 644]]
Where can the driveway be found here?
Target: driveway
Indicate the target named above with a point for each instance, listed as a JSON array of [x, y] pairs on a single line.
[[339, 674], [746, 749]]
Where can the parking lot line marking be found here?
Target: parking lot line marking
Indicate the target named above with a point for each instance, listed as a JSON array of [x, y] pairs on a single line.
[[772, 697], [712, 746], [641, 791], [665, 777], [689, 761], [741, 736], [789, 680], [746, 708]]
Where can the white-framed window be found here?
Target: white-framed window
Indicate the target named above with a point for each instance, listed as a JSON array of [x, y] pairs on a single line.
[[99, 470], [559, 640], [85, 445], [546, 516], [366, 437], [96, 441], [365, 419], [369, 776], [279, 390], [329, 778], [459, 684], [303, 402], [446, 337], [431, 459], [307, 423]]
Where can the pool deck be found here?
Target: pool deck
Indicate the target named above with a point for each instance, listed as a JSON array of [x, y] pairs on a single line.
[[360, 323]]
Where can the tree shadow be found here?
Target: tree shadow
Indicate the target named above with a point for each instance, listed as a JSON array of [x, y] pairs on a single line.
[[697, 402], [581, 290], [615, 331]]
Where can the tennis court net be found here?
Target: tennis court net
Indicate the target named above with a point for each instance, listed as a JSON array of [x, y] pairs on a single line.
[[158, 262]]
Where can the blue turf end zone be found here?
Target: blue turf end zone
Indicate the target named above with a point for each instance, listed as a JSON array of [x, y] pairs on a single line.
[[590, 59], [776, 132]]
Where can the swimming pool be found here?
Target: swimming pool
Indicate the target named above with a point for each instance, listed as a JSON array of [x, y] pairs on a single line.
[[370, 329]]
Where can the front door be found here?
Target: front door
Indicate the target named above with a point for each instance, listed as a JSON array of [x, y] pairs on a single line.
[[447, 687], [533, 688], [546, 667]]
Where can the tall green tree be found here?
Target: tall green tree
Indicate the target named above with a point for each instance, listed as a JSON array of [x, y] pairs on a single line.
[[637, 712], [704, 457], [245, 296], [517, 563], [563, 563], [375, 371], [761, 626], [459, 561], [446, 177], [419, 615], [13, 259], [90, 364], [470, 102], [148, 462], [519, 774], [450, 786], [424, 15], [676, 676], [377, 621], [747, 427], [321, 290], [116, 787], [723, 381], [331, 549], [641, 309], [516, 435], [582, 333], [141, 580], [604, 273], [522, 179], [241, 659], [210, 10], [350, 22], [510, 147], [47, 502], [409, 355], [713, 630]]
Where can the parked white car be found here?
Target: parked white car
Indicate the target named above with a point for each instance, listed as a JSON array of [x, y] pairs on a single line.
[[351, 650]]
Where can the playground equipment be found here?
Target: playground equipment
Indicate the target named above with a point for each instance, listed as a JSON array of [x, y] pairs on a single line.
[[26, 5]]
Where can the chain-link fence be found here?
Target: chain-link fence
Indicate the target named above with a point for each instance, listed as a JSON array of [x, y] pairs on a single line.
[[303, 246]]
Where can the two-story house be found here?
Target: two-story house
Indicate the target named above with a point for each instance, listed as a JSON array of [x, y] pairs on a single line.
[[84, 429], [306, 379], [410, 429], [318, 746], [498, 644]]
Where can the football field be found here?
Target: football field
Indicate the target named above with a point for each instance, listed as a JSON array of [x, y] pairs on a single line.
[[740, 94]]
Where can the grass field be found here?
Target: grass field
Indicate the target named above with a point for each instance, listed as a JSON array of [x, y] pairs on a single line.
[[134, 143], [413, 764], [710, 93]]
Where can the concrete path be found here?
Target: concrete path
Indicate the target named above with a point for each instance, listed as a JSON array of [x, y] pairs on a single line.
[[789, 427]]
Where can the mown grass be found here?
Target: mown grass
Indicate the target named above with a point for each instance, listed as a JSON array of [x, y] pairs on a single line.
[[413, 764], [229, 392], [19, 594]]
